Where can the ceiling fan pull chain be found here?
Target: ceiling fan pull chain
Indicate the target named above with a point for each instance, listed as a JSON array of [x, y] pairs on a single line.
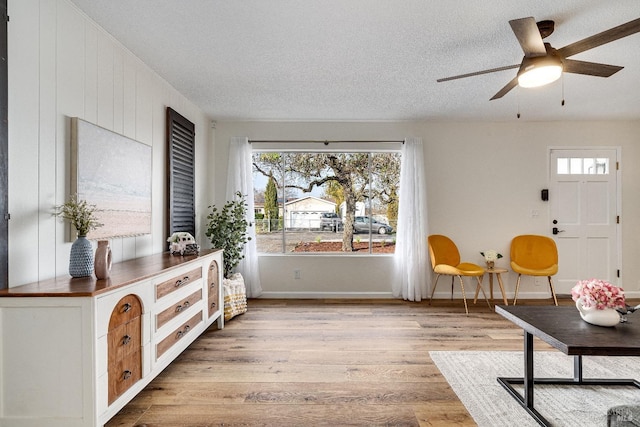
[[562, 89], [518, 98]]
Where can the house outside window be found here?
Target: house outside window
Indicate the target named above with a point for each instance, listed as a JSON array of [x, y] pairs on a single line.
[[326, 202]]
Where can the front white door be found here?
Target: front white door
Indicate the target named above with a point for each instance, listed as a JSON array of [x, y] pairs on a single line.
[[584, 214]]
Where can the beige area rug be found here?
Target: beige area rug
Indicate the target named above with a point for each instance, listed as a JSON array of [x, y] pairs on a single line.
[[472, 375]]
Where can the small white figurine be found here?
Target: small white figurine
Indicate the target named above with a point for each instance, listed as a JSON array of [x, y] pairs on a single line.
[[182, 243]]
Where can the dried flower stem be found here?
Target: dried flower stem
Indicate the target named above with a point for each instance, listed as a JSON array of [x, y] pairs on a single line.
[[80, 214]]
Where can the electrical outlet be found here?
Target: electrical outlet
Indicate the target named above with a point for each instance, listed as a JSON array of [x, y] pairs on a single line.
[[296, 274], [537, 281]]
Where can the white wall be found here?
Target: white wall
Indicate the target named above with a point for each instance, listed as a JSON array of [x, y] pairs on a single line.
[[484, 179], [62, 65]]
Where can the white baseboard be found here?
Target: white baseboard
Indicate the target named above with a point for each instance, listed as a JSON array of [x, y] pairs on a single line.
[[388, 295], [326, 295]]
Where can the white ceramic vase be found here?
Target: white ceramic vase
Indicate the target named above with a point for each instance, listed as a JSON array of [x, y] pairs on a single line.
[[605, 317]]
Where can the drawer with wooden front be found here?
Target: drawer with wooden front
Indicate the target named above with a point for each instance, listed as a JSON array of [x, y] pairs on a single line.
[[213, 284], [124, 340], [177, 308], [127, 309], [176, 282], [124, 346], [178, 334], [124, 373]]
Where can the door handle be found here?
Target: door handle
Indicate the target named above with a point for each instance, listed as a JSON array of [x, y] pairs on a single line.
[[556, 231]]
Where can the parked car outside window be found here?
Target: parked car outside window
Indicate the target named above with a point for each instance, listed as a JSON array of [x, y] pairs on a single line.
[[361, 225], [331, 221]]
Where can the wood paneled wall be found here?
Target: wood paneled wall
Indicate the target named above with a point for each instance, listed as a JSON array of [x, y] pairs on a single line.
[[62, 65]]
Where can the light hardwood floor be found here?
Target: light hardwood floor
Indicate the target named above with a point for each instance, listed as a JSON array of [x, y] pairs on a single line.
[[323, 363]]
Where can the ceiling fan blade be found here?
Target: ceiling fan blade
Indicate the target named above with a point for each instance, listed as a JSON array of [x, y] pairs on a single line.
[[589, 68], [599, 39], [528, 35], [478, 73], [502, 92]]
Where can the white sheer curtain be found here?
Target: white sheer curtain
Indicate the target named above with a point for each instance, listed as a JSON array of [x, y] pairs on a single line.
[[411, 259], [240, 178]]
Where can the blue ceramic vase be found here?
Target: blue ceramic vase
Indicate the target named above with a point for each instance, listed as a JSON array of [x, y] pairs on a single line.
[[81, 258]]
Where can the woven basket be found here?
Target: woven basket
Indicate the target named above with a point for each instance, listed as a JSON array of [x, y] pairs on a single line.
[[235, 296]]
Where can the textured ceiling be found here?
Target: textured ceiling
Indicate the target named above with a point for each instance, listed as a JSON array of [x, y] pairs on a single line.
[[372, 59]]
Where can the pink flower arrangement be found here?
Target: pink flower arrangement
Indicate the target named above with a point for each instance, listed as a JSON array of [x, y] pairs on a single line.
[[599, 294]]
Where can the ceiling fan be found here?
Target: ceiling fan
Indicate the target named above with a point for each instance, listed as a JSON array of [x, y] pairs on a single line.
[[543, 64]]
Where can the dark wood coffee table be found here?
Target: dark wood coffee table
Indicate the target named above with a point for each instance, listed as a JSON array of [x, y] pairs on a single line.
[[563, 328]]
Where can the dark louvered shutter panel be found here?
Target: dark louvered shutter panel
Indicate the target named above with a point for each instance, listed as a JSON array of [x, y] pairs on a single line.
[[181, 143]]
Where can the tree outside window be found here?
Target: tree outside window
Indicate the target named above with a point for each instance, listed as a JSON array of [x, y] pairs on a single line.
[[336, 202]]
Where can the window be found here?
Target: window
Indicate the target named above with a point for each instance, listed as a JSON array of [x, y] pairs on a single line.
[[583, 166], [339, 202]]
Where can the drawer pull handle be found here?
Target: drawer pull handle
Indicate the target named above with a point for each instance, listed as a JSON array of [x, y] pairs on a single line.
[[213, 285], [126, 340], [182, 281], [126, 307], [180, 334], [126, 375], [182, 306]]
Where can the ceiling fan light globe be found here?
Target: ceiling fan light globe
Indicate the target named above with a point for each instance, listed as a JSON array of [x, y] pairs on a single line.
[[540, 76], [538, 72]]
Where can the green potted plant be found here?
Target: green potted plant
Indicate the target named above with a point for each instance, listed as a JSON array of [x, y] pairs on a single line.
[[82, 217], [227, 229]]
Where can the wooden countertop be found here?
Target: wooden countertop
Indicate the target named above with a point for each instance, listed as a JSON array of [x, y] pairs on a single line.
[[122, 274]]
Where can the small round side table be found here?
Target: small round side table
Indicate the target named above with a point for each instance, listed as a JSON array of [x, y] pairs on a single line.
[[497, 271]]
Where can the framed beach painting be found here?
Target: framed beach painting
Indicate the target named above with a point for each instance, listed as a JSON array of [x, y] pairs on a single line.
[[112, 172]]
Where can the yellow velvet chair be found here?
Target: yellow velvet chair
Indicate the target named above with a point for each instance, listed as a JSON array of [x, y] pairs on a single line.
[[445, 259], [534, 255]]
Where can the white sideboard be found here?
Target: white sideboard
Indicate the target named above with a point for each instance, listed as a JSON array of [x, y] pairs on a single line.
[[73, 352]]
